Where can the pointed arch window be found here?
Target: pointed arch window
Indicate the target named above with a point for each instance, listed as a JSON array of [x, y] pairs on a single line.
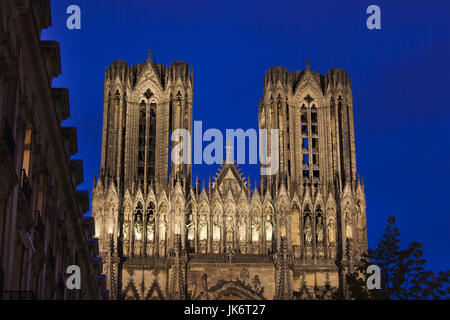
[[141, 146], [151, 142]]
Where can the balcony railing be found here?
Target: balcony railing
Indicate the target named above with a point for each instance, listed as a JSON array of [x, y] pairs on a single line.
[[8, 138]]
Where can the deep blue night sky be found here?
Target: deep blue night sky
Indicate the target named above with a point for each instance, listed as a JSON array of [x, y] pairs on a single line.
[[400, 79]]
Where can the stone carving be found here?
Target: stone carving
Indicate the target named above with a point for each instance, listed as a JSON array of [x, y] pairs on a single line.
[[229, 227], [126, 228], [217, 223], [203, 227], [308, 252], [192, 287], [150, 227], [242, 228], [138, 227], [331, 233], [205, 281], [126, 241], [162, 227], [331, 227], [245, 275], [137, 247], [319, 230], [348, 225], [256, 283], [308, 230], [255, 229], [190, 227], [268, 227], [178, 218]]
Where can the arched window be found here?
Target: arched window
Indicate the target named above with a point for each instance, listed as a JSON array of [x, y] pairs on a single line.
[[315, 144], [310, 141], [141, 146], [151, 142], [138, 212]]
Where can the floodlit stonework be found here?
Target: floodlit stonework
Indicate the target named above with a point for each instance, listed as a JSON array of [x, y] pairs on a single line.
[[163, 236]]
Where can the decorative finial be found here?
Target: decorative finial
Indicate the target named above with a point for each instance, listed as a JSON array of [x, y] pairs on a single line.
[[229, 148], [307, 63], [149, 55]]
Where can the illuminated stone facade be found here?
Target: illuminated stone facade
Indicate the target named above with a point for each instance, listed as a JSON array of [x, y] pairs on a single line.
[[164, 237]]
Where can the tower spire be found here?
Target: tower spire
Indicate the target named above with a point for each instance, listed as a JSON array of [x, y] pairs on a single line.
[[149, 56]]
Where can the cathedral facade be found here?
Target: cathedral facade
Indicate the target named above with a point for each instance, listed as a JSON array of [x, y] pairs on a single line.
[[164, 236]]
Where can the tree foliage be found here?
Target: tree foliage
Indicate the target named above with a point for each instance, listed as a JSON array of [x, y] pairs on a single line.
[[403, 273]]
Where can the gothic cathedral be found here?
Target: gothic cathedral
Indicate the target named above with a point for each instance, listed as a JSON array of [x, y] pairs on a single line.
[[163, 236]]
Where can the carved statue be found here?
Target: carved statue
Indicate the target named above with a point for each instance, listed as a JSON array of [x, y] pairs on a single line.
[[245, 274], [268, 227], [229, 224], [319, 230], [283, 228], [308, 230], [205, 282], [151, 229], [192, 286], [162, 227], [348, 225], [256, 283], [331, 230], [331, 250], [178, 218], [98, 225], [255, 229], [242, 228], [110, 224], [137, 247], [203, 227], [308, 252], [178, 223], [217, 222], [190, 228], [126, 228], [138, 227], [126, 241]]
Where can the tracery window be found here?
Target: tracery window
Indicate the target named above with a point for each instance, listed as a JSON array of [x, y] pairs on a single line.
[[141, 146]]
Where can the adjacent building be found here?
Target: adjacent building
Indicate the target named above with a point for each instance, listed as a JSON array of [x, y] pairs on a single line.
[[42, 228]]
